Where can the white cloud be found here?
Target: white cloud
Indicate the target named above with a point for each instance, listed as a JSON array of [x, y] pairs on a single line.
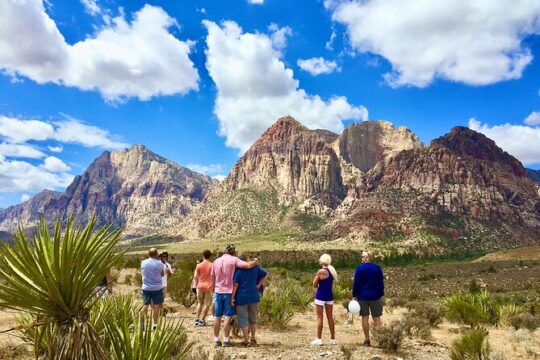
[[55, 165], [139, 59], [25, 197], [279, 35], [317, 66], [18, 176], [219, 177], [255, 88], [208, 169], [258, 2], [20, 131], [91, 7], [518, 140], [75, 131], [329, 45], [476, 42], [21, 151], [67, 131], [533, 119], [56, 149]]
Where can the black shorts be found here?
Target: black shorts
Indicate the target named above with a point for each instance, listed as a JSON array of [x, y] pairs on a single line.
[[374, 307]]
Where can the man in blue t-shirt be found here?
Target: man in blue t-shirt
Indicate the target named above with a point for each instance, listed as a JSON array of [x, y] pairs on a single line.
[[246, 298], [368, 290]]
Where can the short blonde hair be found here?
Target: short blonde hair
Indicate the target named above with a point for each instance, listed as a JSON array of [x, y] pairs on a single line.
[[369, 255]]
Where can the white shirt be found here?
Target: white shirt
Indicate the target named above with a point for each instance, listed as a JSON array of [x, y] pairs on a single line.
[[166, 266]]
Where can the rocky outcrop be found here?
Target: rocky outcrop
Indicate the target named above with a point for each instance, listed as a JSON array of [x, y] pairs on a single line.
[[298, 163], [133, 188]]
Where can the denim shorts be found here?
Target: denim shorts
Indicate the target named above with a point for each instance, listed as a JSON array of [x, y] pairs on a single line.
[[222, 305], [152, 297]]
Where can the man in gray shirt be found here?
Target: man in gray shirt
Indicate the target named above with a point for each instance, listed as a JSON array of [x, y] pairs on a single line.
[[152, 284]]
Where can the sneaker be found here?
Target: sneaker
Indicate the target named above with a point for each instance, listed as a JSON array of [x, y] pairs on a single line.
[[154, 327], [226, 344], [333, 342], [217, 343], [202, 323], [197, 322], [316, 342], [367, 343]]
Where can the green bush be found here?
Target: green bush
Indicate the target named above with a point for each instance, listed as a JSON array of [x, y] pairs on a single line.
[[128, 280], [389, 337], [506, 311], [275, 309], [396, 302], [138, 278], [417, 326], [115, 275], [474, 288], [432, 313], [471, 309], [472, 345], [524, 321], [179, 284]]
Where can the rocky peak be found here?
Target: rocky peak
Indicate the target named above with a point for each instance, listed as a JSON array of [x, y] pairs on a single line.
[[366, 143], [466, 142]]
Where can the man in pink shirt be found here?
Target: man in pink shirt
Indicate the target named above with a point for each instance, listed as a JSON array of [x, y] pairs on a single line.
[[222, 275]]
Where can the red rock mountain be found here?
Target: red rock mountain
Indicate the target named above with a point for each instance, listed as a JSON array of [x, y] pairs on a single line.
[[134, 188]]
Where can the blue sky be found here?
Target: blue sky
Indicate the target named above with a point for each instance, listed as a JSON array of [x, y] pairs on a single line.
[[198, 81]]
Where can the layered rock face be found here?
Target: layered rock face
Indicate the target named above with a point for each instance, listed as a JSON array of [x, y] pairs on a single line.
[[134, 188], [462, 173], [298, 163]]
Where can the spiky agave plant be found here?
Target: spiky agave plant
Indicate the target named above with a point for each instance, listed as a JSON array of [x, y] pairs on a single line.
[[53, 278]]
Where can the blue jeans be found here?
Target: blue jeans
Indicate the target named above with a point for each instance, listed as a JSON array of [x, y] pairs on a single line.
[[152, 297]]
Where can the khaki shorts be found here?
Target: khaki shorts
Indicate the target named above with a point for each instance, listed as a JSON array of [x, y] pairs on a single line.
[[204, 297]]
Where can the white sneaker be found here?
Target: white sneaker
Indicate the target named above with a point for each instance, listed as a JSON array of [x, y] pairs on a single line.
[[316, 342], [333, 342]]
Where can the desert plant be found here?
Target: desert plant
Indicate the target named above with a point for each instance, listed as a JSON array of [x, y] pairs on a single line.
[[14, 352], [471, 309], [53, 277], [115, 275], [396, 302], [347, 352], [275, 310], [389, 336], [128, 280], [524, 321], [432, 313], [472, 345], [506, 311], [179, 285], [417, 326], [474, 287], [137, 278]]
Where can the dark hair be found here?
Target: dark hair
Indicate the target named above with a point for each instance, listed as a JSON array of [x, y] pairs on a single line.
[[220, 254], [206, 254]]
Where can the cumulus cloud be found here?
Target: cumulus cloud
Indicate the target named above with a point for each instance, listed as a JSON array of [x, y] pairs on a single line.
[[475, 42], [518, 140], [55, 165], [533, 119], [317, 66], [139, 59], [279, 35], [21, 151], [255, 88], [25, 197], [69, 130], [19, 176]]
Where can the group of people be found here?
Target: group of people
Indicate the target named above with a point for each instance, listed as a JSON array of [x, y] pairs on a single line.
[[232, 285]]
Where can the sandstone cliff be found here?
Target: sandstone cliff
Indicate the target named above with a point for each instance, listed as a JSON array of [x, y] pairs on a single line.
[[134, 188]]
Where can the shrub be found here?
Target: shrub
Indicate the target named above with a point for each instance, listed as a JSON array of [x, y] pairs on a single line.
[[524, 321], [299, 297], [396, 302], [413, 296], [506, 311], [179, 288], [132, 262], [389, 337], [472, 345], [417, 326], [471, 309], [433, 314], [275, 309], [347, 352], [474, 288], [115, 275], [138, 279], [13, 352], [128, 280]]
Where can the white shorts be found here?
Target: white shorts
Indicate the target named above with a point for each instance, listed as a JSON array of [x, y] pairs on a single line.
[[322, 303]]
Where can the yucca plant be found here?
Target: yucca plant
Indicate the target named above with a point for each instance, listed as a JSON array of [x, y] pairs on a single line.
[[53, 278]]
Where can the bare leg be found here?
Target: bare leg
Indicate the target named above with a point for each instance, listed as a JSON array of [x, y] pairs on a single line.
[[330, 318], [253, 330], [319, 311], [198, 310], [204, 312], [365, 326], [217, 326], [377, 321], [155, 313], [144, 309], [227, 327], [245, 332]]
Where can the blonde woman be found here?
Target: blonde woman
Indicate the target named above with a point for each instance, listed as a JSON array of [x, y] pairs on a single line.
[[324, 298]]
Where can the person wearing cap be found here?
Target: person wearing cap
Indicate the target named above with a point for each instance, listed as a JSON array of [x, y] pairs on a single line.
[[167, 271], [368, 290], [152, 284], [222, 275]]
